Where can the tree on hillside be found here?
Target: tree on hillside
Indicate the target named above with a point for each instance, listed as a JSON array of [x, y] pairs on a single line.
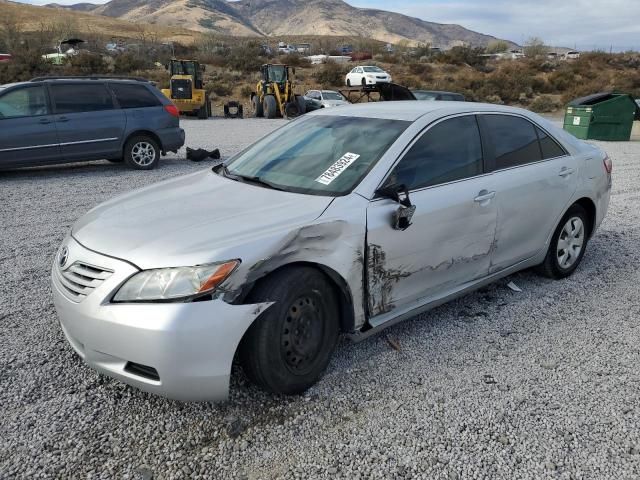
[[535, 47]]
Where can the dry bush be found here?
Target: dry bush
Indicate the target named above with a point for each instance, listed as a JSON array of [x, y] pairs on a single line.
[[24, 66], [331, 74], [544, 104]]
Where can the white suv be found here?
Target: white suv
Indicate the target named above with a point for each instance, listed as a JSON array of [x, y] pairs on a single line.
[[368, 75]]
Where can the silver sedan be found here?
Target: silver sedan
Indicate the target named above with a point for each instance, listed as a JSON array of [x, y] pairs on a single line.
[[345, 221]]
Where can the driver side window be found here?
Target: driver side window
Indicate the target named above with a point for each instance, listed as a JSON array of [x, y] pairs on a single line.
[[24, 102], [449, 151]]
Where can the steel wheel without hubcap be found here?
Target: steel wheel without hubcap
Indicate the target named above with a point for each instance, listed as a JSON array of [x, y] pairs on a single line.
[[143, 154], [288, 347], [570, 242], [302, 334]]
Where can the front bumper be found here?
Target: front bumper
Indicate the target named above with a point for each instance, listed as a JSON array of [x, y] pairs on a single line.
[[190, 345]]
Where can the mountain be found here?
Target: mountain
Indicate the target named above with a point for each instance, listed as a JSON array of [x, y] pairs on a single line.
[[287, 17]]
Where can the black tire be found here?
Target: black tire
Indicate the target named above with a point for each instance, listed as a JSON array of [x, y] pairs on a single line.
[[256, 107], [287, 349], [142, 152], [551, 267], [209, 111], [302, 105], [202, 112], [270, 106], [348, 82]]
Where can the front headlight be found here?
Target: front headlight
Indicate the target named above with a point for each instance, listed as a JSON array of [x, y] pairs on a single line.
[[172, 284]]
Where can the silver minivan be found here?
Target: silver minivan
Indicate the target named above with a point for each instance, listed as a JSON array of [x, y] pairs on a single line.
[[344, 221]]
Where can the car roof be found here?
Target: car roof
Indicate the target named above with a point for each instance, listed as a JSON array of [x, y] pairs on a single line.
[[412, 110]]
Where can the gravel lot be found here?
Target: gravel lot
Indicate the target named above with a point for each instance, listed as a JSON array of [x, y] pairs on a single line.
[[498, 384]]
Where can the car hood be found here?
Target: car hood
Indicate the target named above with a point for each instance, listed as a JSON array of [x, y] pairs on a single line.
[[188, 218]]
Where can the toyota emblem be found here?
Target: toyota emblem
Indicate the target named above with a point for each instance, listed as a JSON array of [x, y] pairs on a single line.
[[63, 256]]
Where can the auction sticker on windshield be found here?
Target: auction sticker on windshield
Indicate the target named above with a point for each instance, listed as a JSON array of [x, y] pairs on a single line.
[[335, 170]]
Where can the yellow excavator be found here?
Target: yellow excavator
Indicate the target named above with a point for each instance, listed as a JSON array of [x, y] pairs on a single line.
[[275, 95], [186, 88]]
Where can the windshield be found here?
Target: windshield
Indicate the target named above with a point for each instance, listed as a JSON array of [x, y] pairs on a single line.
[[319, 155], [277, 73], [373, 69], [329, 95]]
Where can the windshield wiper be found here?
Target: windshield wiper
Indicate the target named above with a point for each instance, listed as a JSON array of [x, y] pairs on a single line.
[[257, 180]]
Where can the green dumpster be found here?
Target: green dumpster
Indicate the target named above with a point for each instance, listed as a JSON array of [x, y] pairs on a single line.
[[603, 116]]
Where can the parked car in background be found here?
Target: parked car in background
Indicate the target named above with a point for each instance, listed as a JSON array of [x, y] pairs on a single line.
[[436, 95], [345, 221], [5, 57], [366, 75], [327, 98], [61, 120]]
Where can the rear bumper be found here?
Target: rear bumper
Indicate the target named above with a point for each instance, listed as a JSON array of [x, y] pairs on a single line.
[[172, 139], [190, 345]]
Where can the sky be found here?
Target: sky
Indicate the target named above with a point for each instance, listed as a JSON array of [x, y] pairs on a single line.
[[581, 24]]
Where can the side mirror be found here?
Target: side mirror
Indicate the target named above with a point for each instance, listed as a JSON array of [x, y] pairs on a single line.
[[401, 218]]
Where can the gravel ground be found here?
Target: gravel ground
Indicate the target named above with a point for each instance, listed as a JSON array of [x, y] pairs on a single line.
[[498, 384]]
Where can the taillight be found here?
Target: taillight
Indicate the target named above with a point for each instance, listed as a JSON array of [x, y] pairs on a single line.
[[608, 164], [172, 110]]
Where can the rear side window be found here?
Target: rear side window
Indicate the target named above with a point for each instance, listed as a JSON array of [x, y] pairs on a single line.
[[549, 147], [24, 102], [514, 139], [134, 96], [78, 97], [449, 151]]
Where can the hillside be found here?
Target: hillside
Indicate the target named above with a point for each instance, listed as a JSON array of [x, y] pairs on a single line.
[[287, 17], [31, 18]]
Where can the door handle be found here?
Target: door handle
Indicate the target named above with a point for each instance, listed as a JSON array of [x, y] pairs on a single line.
[[44, 121], [62, 119], [565, 172], [484, 196]]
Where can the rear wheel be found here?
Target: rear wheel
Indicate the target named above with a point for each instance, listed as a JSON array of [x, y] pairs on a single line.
[[568, 245], [288, 348], [256, 107], [142, 152], [270, 106]]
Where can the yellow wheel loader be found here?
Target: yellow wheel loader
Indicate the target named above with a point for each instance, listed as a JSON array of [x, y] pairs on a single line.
[[186, 88], [275, 94]]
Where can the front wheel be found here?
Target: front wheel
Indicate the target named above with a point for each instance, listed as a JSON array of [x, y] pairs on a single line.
[[288, 348], [142, 153], [568, 245]]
